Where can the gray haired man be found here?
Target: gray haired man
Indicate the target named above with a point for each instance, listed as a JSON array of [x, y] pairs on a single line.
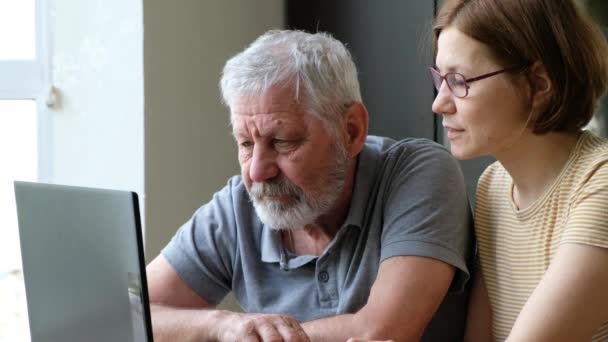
[[328, 233]]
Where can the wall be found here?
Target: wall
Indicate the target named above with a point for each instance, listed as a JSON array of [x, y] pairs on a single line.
[[189, 152]]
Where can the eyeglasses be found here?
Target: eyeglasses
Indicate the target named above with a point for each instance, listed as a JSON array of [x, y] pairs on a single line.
[[457, 83]]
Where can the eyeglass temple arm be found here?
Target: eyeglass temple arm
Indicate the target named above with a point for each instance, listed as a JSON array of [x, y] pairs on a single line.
[[469, 80]]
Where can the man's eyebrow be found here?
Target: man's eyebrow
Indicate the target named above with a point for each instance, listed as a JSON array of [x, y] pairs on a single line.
[[237, 135]]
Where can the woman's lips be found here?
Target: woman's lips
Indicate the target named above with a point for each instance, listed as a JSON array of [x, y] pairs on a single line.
[[454, 133]]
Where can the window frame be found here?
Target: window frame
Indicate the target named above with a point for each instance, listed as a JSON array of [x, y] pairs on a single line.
[[31, 80]]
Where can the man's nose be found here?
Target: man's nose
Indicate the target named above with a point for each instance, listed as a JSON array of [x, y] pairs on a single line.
[[263, 165], [444, 102]]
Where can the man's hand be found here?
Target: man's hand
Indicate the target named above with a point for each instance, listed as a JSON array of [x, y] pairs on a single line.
[[179, 314], [260, 328]]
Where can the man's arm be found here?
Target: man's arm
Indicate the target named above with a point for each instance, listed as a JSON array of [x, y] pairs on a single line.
[[479, 316], [571, 301], [179, 314], [407, 292], [426, 214], [173, 305]]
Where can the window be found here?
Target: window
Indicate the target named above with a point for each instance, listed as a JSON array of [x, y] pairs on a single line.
[[22, 66]]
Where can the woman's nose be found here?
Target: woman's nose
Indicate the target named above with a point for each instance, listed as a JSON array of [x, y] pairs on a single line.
[[444, 101]]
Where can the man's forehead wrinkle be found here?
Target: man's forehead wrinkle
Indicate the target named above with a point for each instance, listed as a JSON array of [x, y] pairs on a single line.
[[259, 108], [249, 125]]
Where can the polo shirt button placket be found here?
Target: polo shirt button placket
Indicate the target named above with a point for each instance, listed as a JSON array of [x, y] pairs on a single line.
[[323, 276]]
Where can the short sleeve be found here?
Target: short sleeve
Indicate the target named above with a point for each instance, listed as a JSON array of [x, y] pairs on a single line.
[[588, 219], [203, 249], [427, 211]]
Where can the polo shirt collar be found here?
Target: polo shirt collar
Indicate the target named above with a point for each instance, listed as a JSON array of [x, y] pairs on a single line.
[[271, 250], [364, 180], [270, 244]]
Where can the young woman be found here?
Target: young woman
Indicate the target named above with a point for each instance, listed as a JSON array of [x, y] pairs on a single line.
[[519, 80]]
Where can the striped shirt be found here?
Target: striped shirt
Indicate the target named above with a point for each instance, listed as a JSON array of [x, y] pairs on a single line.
[[516, 246]]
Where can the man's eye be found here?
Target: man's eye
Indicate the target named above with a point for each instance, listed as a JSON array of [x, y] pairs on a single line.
[[280, 142], [246, 144], [283, 144]]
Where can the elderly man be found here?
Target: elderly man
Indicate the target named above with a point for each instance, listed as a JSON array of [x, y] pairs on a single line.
[[328, 233]]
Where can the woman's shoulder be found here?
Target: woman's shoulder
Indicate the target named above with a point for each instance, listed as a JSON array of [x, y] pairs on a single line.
[[591, 158], [493, 183], [592, 144], [588, 205], [495, 172]]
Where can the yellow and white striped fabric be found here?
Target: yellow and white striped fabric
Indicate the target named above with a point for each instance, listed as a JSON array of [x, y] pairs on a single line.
[[516, 246]]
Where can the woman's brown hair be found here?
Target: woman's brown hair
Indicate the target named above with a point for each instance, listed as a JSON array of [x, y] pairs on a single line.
[[556, 33]]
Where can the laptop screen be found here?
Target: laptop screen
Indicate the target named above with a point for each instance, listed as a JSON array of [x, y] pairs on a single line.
[[83, 263]]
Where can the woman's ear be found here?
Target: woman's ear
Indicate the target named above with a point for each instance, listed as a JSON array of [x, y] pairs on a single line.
[[356, 125], [540, 86]]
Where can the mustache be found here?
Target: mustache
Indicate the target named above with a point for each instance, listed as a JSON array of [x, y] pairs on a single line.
[[275, 188]]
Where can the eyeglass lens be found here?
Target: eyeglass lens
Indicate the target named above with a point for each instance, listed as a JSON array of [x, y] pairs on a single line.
[[456, 82]]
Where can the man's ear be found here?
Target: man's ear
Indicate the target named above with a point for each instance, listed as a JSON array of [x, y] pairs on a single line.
[[356, 122], [540, 86]]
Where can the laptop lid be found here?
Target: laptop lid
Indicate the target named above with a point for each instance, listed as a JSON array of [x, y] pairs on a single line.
[[83, 263]]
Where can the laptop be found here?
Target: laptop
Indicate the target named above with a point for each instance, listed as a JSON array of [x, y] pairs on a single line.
[[83, 264]]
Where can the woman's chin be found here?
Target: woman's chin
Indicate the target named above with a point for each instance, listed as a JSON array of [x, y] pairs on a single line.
[[463, 153]]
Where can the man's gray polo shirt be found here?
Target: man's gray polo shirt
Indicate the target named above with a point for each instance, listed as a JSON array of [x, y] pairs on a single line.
[[409, 198]]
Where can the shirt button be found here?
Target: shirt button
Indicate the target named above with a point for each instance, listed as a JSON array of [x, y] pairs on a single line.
[[323, 276]]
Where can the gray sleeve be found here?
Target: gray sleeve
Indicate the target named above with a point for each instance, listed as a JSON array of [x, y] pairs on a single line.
[[427, 211], [203, 249]]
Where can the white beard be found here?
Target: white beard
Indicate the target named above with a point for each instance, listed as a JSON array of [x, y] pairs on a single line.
[[275, 215], [300, 209]]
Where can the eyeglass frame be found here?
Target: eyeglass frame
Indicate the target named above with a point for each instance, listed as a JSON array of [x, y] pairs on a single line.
[[466, 80]]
